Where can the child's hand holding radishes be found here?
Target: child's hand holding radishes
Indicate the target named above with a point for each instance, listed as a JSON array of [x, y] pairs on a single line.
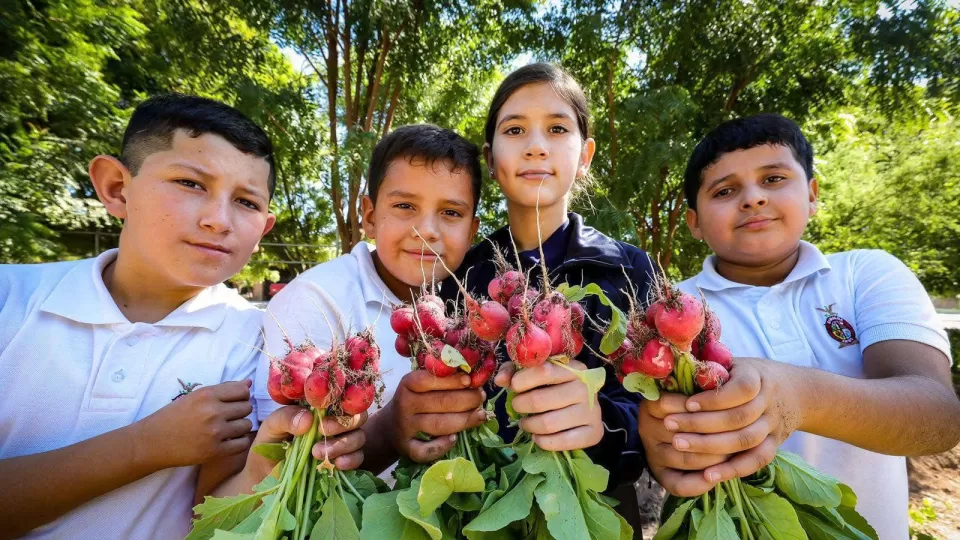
[[207, 423], [561, 413]]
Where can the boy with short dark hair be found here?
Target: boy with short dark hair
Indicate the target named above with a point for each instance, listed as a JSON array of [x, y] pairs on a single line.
[[859, 365], [423, 191], [116, 406]]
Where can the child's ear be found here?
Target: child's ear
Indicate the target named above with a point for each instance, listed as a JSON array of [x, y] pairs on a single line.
[[367, 216], [110, 177], [694, 224], [814, 193], [488, 158], [587, 149], [474, 227]]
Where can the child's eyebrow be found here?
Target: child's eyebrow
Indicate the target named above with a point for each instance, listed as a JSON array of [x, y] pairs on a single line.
[[456, 202], [194, 168], [771, 166], [402, 194], [561, 115]]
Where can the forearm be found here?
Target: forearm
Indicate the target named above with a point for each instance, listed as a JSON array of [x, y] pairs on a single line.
[[378, 451], [39, 488], [904, 415]]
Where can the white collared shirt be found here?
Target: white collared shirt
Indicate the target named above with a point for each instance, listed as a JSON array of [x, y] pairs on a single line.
[[72, 367], [353, 297], [823, 315]]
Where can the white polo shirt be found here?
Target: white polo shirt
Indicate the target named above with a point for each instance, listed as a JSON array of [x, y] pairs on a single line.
[[72, 367], [823, 315], [349, 290]]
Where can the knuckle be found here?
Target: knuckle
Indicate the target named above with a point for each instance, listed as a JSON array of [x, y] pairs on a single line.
[[737, 416], [745, 440]]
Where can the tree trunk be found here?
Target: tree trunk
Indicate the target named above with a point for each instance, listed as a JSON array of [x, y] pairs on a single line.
[[611, 114]]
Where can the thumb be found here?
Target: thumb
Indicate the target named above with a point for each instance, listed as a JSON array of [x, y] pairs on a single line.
[[284, 422], [505, 375]]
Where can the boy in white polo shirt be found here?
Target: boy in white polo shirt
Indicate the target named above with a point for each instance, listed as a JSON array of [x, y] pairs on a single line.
[[113, 369], [849, 365], [420, 177]]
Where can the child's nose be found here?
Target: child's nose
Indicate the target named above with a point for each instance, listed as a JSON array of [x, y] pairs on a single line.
[[215, 217], [753, 198], [536, 148]]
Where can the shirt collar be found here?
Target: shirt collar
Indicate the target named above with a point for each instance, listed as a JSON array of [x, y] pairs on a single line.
[[82, 296], [584, 245], [811, 261], [373, 287]]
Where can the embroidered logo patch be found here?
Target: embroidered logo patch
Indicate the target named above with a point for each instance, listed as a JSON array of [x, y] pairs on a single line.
[[838, 328], [185, 388]]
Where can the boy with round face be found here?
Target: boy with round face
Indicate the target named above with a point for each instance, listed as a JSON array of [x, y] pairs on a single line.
[[841, 358], [126, 376], [423, 191]]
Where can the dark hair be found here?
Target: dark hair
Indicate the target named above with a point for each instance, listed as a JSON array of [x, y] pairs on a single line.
[[743, 134], [154, 122], [542, 73], [430, 144]]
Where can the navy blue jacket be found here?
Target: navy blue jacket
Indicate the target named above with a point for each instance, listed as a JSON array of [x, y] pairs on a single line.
[[578, 255]]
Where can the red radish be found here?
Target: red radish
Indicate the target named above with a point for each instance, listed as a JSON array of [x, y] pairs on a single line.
[[292, 380], [503, 287], [274, 384], [480, 375], [313, 353], [401, 320], [695, 347], [402, 345], [432, 319], [680, 320], [527, 344], [516, 301], [577, 315], [357, 398], [433, 363], [362, 351], [656, 359], [625, 347], [576, 345], [322, 359], [432, 299], [323, 387], [651, 315], [711, 375], [489, 320], [711, 324], [553, 314], [455, 334], [714, 351], [670, 384], [470, 355]]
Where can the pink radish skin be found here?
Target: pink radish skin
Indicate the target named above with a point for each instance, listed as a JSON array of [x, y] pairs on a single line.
[[401, 320], [433, 363], [577, 343], [432, 299], [528, 345], [715, 351], [318, 390], [274, 384], [577, 315], [489, 321], [624, 348], [711, 324], [480, 375], [322, 359], [292, 380], [513, 306], [313, 353], [455, 334], [711, 376], [651, 316], [470, 355], [357, 398], [656, 359], [681, 322], [402, 345], [362, 351], [432, 319], [553, 314]]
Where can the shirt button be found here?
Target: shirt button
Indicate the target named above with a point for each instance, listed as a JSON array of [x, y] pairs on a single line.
[[133, 340], [118, 376], [775, 325]]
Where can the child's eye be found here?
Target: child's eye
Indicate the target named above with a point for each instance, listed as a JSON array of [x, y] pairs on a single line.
[[452, 213], [513, 131], [774, 179], [558, 129], [188, 183], [723, 192], [249, 204], [403, 206]]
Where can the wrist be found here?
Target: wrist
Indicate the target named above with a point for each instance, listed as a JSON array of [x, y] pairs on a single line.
[[145, 453]]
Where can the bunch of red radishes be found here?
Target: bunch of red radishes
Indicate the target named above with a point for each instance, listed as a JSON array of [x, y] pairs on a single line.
[[342, 381], [541, 323], [444, 345], [676, 342]]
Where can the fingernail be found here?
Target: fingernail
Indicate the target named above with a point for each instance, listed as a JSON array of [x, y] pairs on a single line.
[[672, 425], [296, 419], [465, 380], [713, 477], [681, 444], [453, 438], [693, 406]]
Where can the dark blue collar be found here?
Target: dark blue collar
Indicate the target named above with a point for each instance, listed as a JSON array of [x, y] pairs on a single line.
[[585, 245]]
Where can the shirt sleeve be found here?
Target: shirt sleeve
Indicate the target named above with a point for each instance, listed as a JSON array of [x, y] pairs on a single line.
[[892, 304], [293, 317]]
